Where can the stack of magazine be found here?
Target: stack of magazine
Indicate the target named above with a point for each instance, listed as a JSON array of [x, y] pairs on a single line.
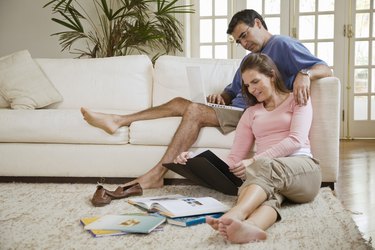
[[174, 209], [110, 225]]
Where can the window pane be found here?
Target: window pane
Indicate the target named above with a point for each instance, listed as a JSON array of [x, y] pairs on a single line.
[[362, 4], [272, 7], [273, 25], [373, 81], [205, 52], [221, 8], [373, 53], [325, 52], [362, 25], [221, 30], [205, 8], [372, 107], [221, 52], [360, 81], [306, 5], [255, 5], [360, 107], [327, 5], [325, 26], [361, 53], [306, 27], [311, 47], [205, 31]]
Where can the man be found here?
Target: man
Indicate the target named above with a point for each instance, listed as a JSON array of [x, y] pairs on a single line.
[[296, 64]]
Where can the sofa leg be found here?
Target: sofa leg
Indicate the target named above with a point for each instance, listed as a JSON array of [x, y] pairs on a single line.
[[331, 185]]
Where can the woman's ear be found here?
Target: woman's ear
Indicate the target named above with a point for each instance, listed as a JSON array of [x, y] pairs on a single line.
[[273, 76]]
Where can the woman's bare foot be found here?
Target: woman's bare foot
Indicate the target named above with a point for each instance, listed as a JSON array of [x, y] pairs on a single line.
[[237, 231], [214, 223], [108, 122], [152, 179]]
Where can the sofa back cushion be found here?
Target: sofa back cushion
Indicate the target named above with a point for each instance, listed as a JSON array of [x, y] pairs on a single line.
[[171, 78], [123, 82]]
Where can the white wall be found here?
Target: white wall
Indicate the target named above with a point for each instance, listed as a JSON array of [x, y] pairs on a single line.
[[25, 24]]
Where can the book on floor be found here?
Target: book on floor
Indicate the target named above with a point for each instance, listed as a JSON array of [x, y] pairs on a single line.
[[127, 223], [191, 220], [100, 233], [180, 206], [208, 170]]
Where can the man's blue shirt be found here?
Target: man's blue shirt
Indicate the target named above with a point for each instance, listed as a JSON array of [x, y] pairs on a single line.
[[289, 55]]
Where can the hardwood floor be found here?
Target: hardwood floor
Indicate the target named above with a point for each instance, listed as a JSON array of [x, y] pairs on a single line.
[[356, 183]]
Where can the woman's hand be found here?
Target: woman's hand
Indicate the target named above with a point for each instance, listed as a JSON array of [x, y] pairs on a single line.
[[239, 169], [183, 157]]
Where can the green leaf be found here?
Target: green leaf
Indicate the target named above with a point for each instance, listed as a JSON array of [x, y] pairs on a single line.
[[68, 25]]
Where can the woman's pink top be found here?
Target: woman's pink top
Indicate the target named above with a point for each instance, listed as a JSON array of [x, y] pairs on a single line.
[[281, 132]]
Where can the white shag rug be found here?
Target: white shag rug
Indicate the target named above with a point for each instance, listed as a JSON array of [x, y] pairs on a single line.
[[46, 216]]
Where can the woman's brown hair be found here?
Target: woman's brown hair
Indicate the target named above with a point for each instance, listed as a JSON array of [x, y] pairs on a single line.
[[264, 65]]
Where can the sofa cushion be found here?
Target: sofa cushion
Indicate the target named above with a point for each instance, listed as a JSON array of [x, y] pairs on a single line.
[[3, 103], [23, 84], [171, 78], [161, 131], [123, 82], [54, 126]]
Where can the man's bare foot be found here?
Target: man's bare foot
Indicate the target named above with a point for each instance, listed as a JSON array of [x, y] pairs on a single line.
[[108, 122], [237, 231], [152, 179]]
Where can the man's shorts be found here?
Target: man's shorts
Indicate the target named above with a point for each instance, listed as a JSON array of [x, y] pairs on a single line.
[[228, 119]]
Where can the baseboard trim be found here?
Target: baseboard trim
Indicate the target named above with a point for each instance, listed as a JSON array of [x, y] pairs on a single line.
[[85, 180], [107, 180]]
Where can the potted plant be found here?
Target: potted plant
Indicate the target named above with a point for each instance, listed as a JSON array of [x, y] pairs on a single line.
[[120, 27]]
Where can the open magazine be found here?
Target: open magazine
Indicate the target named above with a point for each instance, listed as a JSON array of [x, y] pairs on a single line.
[[180, 206]]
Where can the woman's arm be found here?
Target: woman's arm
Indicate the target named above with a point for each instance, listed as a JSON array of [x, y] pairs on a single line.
[[298, 135], [243, 140]]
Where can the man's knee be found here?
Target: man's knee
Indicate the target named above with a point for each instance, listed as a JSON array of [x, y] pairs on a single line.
[[179, 105], [200, 114], [180, 101]]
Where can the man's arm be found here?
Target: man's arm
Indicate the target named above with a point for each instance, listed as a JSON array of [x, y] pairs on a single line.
[[301, 85]]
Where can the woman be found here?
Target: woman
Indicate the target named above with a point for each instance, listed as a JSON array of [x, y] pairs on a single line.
[[282, 167]]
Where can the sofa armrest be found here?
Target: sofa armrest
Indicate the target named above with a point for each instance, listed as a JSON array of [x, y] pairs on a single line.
[[325, 129]]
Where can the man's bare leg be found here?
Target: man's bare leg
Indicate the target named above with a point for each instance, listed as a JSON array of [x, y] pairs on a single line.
[[111, 122], [194, 118]]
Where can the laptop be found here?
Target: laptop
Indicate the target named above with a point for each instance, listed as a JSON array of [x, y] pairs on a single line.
[[197, 90]]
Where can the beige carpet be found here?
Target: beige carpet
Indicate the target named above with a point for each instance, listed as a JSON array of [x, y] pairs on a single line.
[[46, 216]]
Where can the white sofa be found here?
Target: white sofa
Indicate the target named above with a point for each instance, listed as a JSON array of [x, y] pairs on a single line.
[[55, 141]]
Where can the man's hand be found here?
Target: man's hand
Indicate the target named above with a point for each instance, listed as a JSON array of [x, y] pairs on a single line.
[[216, 98], [301, 89]]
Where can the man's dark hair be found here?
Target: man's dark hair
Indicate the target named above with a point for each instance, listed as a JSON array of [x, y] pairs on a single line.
[[245, 16]]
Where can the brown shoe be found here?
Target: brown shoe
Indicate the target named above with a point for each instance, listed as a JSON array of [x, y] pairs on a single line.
[[100, 197], [123, 192]]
